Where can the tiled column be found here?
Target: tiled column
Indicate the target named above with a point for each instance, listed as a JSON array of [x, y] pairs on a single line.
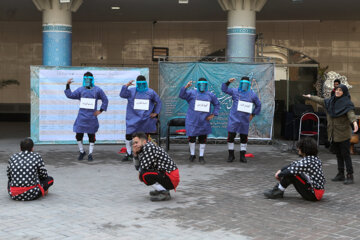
[[241, 29], [57, 30]]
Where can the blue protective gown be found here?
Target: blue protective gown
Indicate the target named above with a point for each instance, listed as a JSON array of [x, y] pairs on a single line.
[[86, 122], [239, 121], [140, 120], [195, 122]]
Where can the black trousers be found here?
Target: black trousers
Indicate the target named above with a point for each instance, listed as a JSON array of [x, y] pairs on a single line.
[[46, 183], [80, 136], [202, 139], [151, 177], [232, 135], [342, 150], [300, 185]]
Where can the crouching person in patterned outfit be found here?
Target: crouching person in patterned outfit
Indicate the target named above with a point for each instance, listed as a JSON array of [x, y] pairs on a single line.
[[306, 174], [28, 178], [155, 167]]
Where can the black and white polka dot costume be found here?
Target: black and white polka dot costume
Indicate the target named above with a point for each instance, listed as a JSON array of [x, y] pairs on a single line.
[[27, 176], [306, 175], [154, 157], [157, 166]]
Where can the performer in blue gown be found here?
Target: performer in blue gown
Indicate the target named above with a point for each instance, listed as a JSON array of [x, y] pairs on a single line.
[[142, 109], [245, 106], [199, 114], [87, 121]]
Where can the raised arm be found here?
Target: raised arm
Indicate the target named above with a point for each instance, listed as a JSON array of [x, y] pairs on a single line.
[[69, 94], [184, 94], [316, 99], [225, 86], [125, 92]]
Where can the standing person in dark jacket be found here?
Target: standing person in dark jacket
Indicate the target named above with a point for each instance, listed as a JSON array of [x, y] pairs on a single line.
[[27, 176], [340, 114], [306, 174], [155, 167], [337, 82]]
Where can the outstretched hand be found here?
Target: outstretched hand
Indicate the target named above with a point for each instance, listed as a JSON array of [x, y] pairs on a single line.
[[231, 80], [69, 81], [251, 117], [189, 84], [356, 127], [130, 83], [307, 95], [96, 113], [210, 117], [153, 115]]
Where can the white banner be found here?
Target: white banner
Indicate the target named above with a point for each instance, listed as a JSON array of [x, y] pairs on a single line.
[[53, 114]]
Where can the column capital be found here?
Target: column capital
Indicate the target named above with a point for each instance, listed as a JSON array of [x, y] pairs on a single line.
[[72, 6], [252, 5], [57, 30]]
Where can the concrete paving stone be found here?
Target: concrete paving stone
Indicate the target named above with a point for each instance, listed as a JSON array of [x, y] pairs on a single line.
[[105, 200], [350, 232]]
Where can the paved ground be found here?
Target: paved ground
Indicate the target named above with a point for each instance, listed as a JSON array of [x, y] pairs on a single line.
[[218, 200]]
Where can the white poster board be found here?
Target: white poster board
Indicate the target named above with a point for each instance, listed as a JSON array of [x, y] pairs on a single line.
[[53, 114]]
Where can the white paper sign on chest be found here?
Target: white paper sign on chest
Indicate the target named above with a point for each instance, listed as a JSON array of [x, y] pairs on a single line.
[[202, 106], [141, 104], [87, 103], [245, 107]]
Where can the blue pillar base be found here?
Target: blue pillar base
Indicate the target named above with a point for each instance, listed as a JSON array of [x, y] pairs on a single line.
[[240, 44], [57, 45]]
